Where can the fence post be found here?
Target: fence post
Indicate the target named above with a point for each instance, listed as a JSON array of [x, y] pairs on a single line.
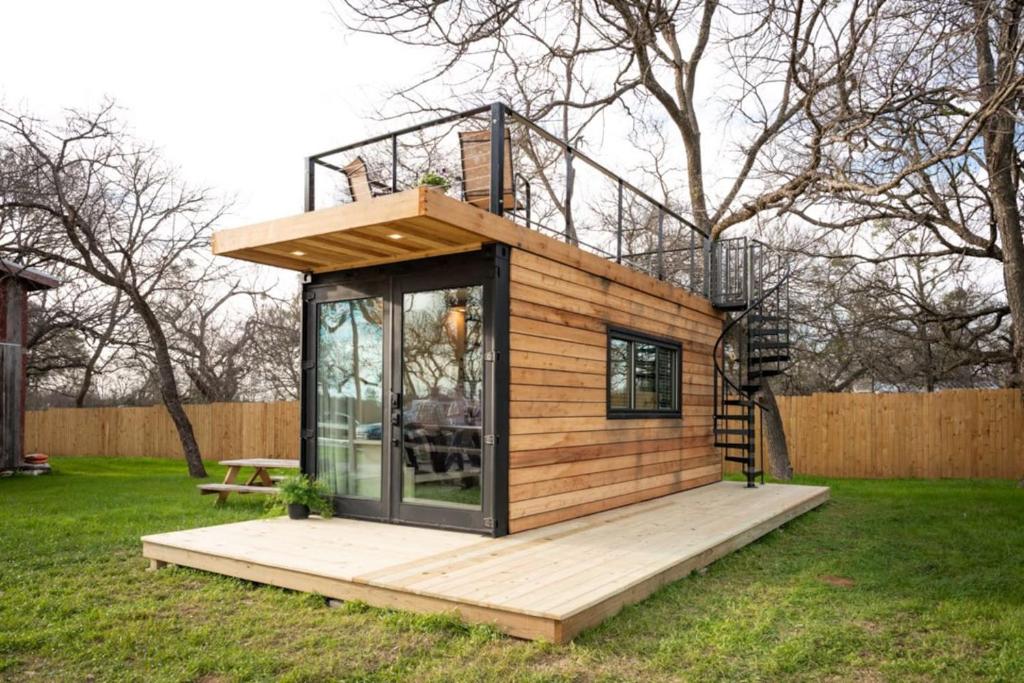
[[497, 204], [310, 198], [394, 163], [618, 229]]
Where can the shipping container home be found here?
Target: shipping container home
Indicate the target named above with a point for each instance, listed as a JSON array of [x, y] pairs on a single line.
[[528, 340], [501, 336]]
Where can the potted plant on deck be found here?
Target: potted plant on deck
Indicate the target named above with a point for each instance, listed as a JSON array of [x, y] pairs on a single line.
[[302, 494], [435, 181]]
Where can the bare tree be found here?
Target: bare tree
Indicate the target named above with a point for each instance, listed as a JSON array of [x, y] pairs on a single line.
[[894, 322], [277, 348], [930, 141], [84, 195], [214, 321], [780, 60]]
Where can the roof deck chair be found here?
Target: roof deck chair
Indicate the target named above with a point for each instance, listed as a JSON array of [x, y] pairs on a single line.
[[475, 150], [361, 185]]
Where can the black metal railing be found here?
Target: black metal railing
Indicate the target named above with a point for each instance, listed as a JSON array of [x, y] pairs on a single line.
[[502, 162]]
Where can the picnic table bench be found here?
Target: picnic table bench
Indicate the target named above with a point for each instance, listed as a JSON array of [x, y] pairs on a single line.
[[261, 480]]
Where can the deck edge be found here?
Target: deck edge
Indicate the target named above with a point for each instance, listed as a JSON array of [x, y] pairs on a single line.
[[515, 624], [589, 616]]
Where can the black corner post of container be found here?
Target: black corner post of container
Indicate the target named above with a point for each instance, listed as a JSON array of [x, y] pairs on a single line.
[[497, 206], [310, 198], [394, 163], [618, 228], [661, 243]]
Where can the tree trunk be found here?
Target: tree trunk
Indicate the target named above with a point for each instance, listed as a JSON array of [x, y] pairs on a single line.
[[169, 389], [997, 66], [1003, 191], [774, 435]]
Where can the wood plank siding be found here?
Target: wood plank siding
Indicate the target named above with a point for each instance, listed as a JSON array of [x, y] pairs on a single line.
[[567, 459]]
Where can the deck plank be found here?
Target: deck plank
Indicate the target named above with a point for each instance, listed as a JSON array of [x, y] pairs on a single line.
[[550, 582]]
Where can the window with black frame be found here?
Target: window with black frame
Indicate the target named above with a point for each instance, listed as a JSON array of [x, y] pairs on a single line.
[[643, 376]]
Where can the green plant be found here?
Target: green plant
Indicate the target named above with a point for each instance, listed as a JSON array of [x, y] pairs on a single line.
[[301, 490], [435, 180]]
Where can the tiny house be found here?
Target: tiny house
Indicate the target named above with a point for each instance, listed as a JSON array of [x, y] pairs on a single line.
[[499, 333]]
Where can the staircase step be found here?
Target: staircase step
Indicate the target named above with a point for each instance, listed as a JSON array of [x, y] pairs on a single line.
[[763, 345], [744, 417], [731, 444], [768, 331], [744, 459], [763, 374], [739, 432], [746, 403], [750, 387], [769, 359]]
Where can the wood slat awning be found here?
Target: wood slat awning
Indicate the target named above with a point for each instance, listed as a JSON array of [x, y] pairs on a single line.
[[409, 225]]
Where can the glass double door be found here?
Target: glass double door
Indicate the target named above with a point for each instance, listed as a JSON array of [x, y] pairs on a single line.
[[399, 400]]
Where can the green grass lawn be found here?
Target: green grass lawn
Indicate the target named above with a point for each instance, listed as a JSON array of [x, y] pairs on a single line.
[[891, 580]]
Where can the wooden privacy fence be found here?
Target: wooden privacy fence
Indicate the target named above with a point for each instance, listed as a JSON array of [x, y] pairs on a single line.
[[223, 430], [963, 433], [970, 433]]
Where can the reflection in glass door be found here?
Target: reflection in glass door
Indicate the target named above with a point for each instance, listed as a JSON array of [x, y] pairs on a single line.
[[349, 386], [442, 366]]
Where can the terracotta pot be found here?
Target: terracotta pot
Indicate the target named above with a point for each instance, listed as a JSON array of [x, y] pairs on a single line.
[[436, 188], [298, 511]]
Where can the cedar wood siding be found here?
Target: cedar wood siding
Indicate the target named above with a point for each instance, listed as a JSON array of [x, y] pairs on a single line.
[[566, 458]]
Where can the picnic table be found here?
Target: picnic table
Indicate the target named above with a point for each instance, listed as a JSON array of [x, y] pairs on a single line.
[[261, 481]]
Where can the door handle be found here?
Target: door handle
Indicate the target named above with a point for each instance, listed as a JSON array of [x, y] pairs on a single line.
[[396, 418]]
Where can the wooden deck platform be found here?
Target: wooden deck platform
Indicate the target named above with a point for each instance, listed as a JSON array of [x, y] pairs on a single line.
[[547, 583]]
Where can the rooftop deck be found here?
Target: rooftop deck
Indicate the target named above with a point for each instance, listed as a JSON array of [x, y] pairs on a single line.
[[493, 161], [549, 583]]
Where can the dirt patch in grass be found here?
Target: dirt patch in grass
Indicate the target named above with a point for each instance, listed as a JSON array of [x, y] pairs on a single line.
[[838, 581]]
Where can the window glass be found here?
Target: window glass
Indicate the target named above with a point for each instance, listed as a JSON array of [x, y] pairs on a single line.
[[618, 373], [645, 363], [349, 384], [442, 396], [666, 378], [643, 375]]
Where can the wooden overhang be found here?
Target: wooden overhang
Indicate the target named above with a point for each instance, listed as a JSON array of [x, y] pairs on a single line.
[[405, 226]]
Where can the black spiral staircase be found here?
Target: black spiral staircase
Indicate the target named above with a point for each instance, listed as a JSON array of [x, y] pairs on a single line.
[[751, 281]]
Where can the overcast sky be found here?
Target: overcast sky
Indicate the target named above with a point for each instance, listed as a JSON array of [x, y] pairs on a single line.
[[235, 93]]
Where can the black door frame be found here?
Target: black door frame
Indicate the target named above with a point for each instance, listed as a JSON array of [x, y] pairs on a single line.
[[487, 267]]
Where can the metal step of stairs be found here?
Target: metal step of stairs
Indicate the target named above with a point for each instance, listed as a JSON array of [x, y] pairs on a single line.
[[732, 444], [769, 359]]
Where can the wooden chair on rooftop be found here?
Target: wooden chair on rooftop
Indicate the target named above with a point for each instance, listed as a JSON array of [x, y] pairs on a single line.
[[475, 150], [361, 186]]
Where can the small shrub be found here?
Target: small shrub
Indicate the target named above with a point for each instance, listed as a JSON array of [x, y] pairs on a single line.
[[433, 179], [301, 490]]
